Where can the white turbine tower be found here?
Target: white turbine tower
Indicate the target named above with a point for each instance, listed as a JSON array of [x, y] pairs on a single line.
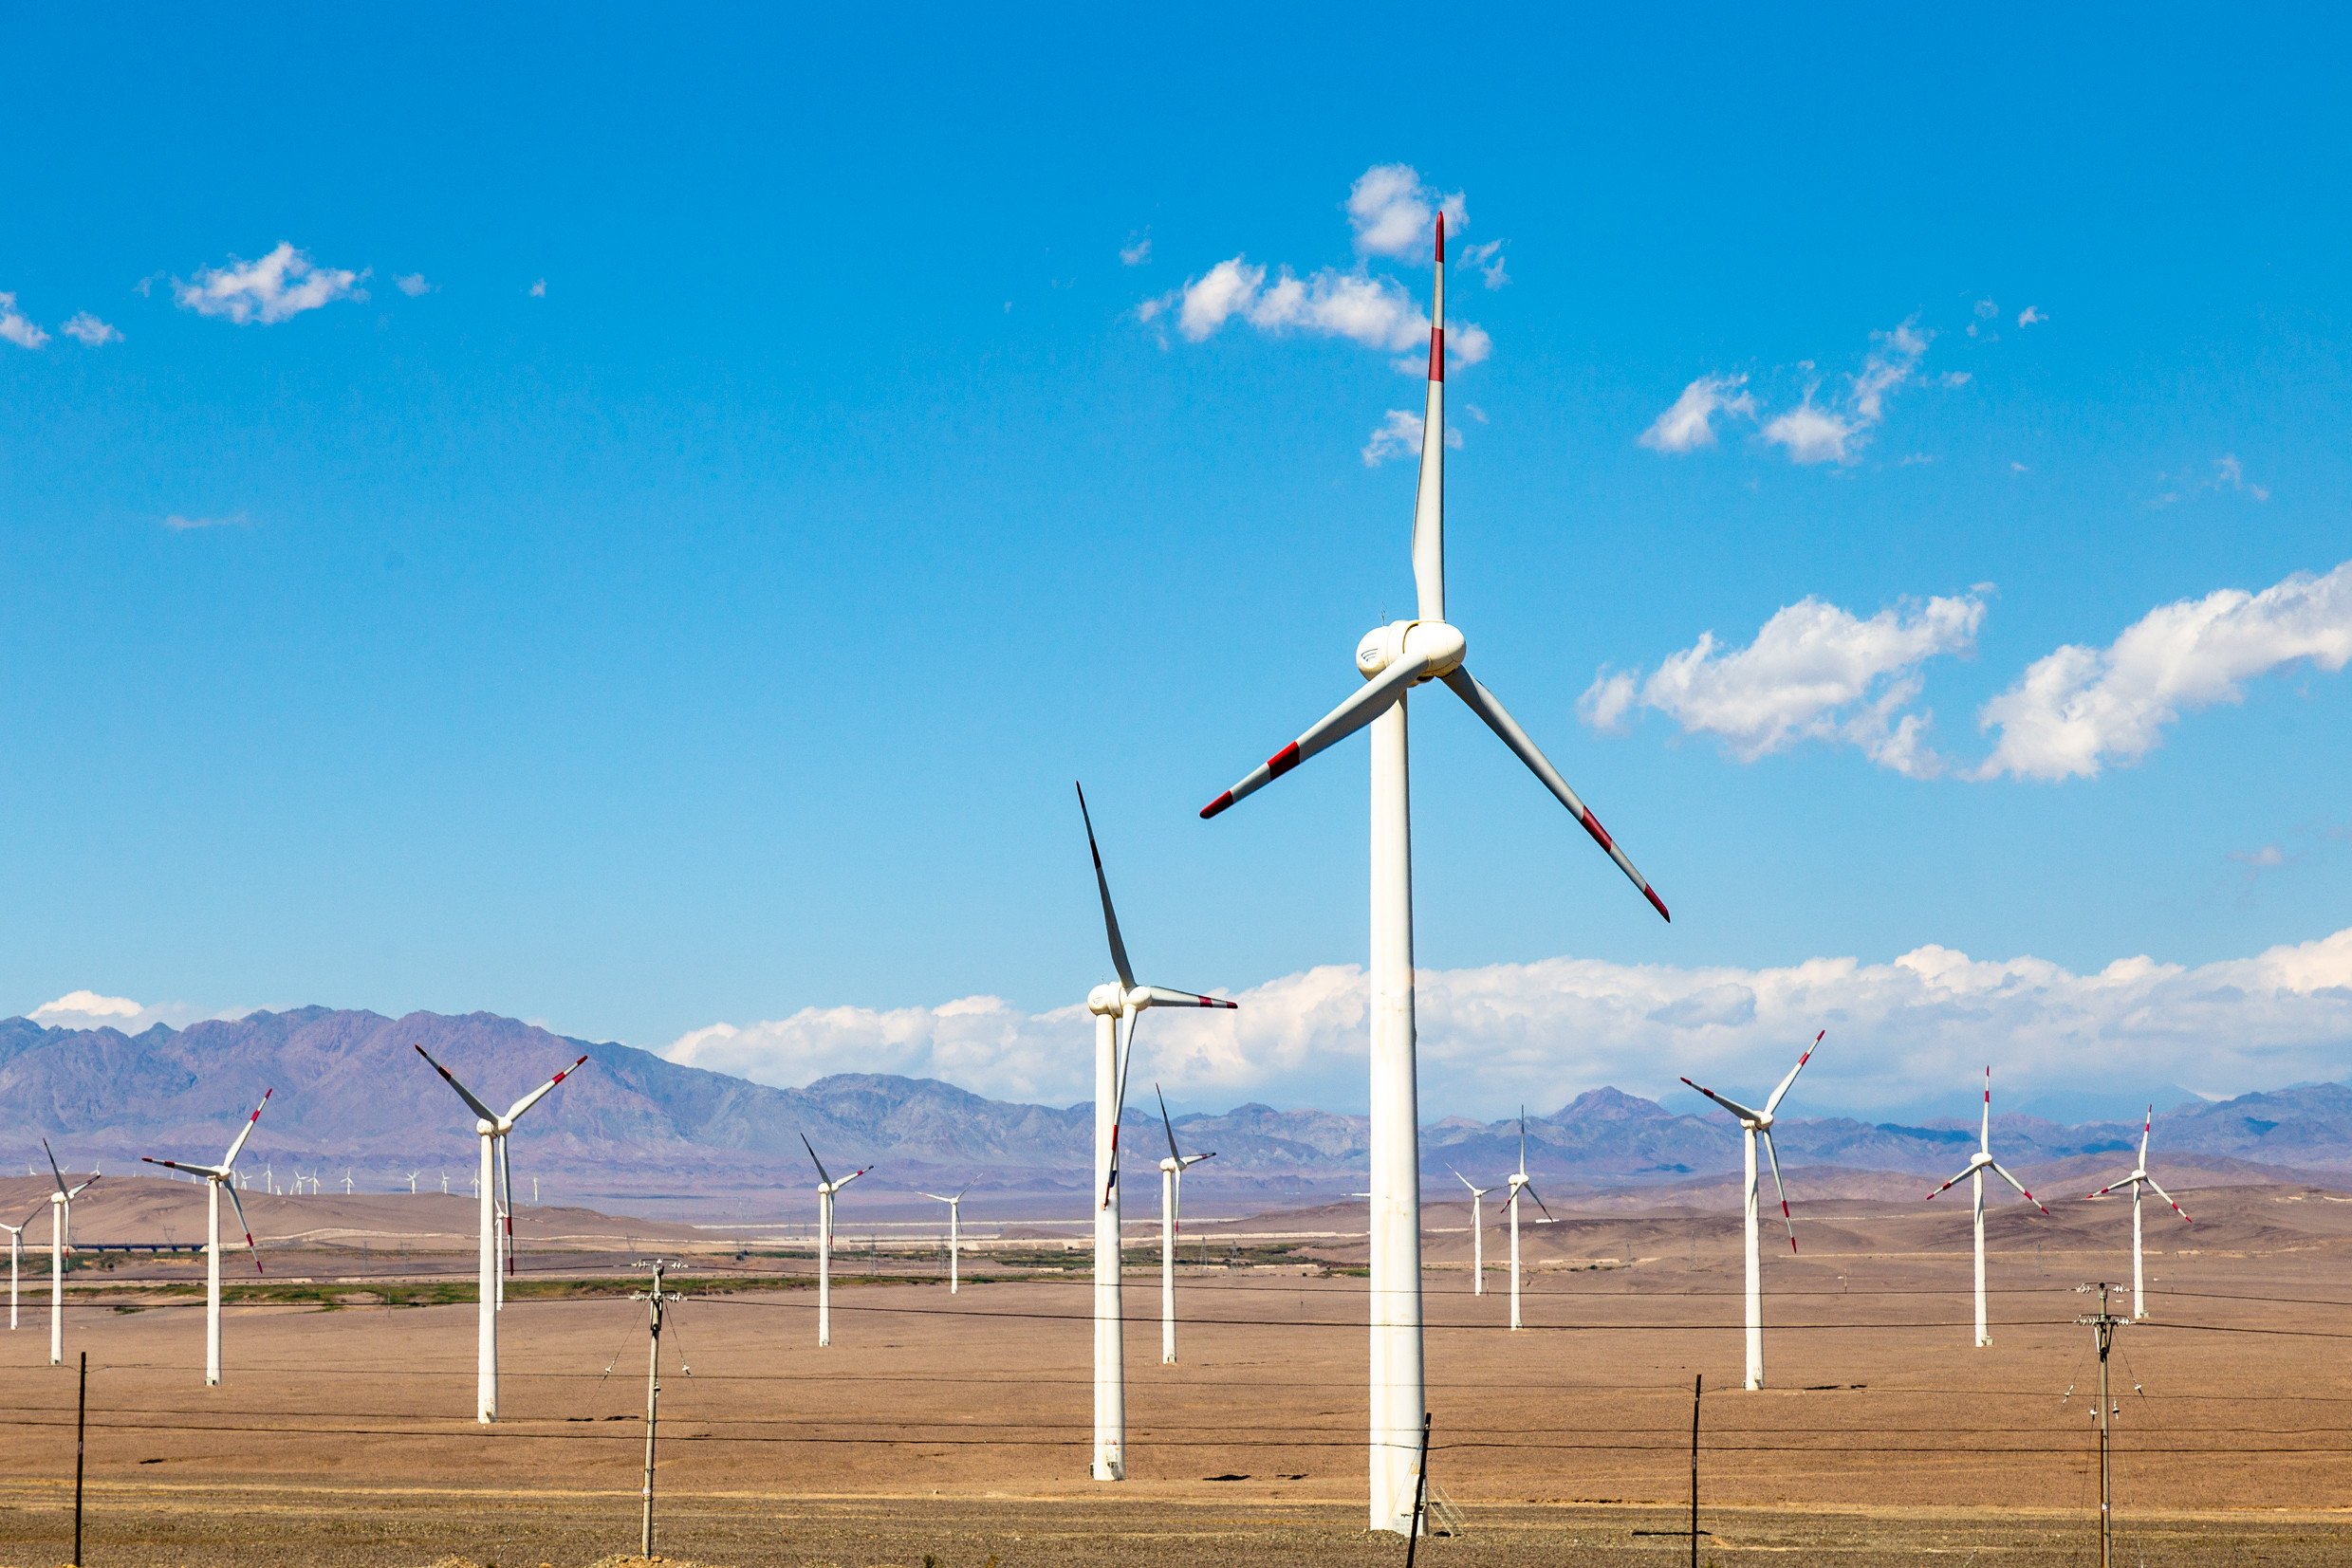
[[1520, 1183], [1171, 1211], [2138, 1178], [216, 1177], [1974, 1173], [1114, 1003], [61, 1234], [1477, 1232], [827, 1189], [492, 1128], [1393, 659], [17, 1260], [1754, 1125], [955, 1230]]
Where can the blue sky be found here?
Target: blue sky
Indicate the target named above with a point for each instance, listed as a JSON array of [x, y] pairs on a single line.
[[711, 634]]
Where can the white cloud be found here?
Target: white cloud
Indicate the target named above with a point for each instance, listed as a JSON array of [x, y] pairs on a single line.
[[14, 329], [2228, 474], [1392, 212], [538, 290], [1814, 672], [88, 1005], [1488, 258], [2031, 317], [412, 284], [1399, 435], [1546, 1030], [180, 524], [89, 331], [87, 1009], [1136, 252], [281, 285], [1812, 435], [2077, 708], [1689, 423]]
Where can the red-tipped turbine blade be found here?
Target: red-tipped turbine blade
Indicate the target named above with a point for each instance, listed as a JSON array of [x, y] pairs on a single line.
[[1367, 703]]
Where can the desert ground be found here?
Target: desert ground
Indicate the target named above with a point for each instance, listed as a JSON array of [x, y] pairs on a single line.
[[953, 1428]]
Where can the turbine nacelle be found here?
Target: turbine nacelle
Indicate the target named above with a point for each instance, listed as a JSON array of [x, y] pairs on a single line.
[[1434, 646]]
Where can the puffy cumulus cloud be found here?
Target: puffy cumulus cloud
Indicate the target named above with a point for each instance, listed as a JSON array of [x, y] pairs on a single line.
[[1545, 1031], [16, 328], [281, 285], [1689, 423], [2031, 317], [1136, 252], [2078, 708], [1399, 435], [1814, 672], [87, 1004], [1393, 212], [413, 285], [88, 1009], [89, 331]]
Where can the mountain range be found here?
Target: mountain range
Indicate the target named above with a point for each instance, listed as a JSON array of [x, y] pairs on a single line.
[[350, 1093]]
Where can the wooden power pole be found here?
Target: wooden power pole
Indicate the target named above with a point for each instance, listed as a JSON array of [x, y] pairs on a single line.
[[2103, 1325], [655, 1301]]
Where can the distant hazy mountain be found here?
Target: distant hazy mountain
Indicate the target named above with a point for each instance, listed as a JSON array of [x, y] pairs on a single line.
[[351, 1093]]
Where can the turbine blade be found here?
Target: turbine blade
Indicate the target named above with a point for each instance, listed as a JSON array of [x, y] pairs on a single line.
[[1732, 1105], [2003, 1173], [505, 1180], [1774, 1104], [1429, 500], [1367, 703], [541, 1093], [1522, 1144], [1102, 885], [53, 1170], [1464, 1180], [852, 1176], [87, 1185], [1949, 1185], [1124, 1051], [2144, 1127], [1985, 1140], [245, 1225], [2120, 1181], [236, 1148], [1773, 1155], [1161, 996], [1190, 1160], [1169, 1127], [177, 1165], [817, 1163], [463, 1093], [1529, 1187], [1488, 706], [2168, 1198]]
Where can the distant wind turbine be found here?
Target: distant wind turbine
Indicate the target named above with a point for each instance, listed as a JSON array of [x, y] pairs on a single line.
[[1974, 1173], [214, 1178], [828, 1189], [61, 1233], [954, 1236], [17, 1259], [1114, 1005], [492, 1128], [1477, 1232], [1520, 1183], [1171, 1217], [2138, 1178], [1754, 1125]]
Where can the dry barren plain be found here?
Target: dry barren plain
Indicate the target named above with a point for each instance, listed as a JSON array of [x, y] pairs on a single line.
[[953, 1428]]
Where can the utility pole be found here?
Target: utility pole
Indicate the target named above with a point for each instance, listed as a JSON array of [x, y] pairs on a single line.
[[81, 1428], [654, 1299], [1698, 1384], [2103, 1325]]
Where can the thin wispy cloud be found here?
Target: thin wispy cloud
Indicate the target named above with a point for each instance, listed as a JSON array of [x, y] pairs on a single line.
[[538, 290], [1813, 673], [89, 331], [2226, 477], [180, 522], [2079, 709], [2031, 317], [279, 286], [413, 285], [15, 328], [1399, 435], [1818, 429], [1136, 251], [1689, 422]]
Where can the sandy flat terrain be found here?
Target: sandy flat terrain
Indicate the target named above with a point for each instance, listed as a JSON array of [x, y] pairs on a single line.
[[957, 1426]]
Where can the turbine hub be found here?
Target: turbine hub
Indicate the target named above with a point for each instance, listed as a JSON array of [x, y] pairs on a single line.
[[1433, 642], [1106, 1000]]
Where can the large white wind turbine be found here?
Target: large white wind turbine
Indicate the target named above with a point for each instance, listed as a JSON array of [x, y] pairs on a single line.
[[1519, 1183], [1974, 1173], [61, 1234], [2138, 1178], [1477, 1232], [954, 1229], [492, 1128], [17, 1260], [216, 1178], [1170, 1210], [827, 1189], [1754, 1125], [1393, 659], [1116, 1005]]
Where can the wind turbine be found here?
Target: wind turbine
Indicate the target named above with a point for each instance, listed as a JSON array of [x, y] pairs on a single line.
[[1393, 659], [1974, 1173], [60, 1231], [492, 1128], [412, 1182], [2136, 1180], [346, 1181], [1754, 1125], [1114, 1003], [954, 1237], [1171, 1217], [17, 1260], [827, 1191], [216, 1177], [1478, 1233], [1519, 1183]]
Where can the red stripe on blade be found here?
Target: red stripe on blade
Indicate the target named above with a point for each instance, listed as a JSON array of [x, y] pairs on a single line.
[[1283, 761], [1600, 834], [1216, 805], [1441, 239], [1657, 903], [1436, 353]]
